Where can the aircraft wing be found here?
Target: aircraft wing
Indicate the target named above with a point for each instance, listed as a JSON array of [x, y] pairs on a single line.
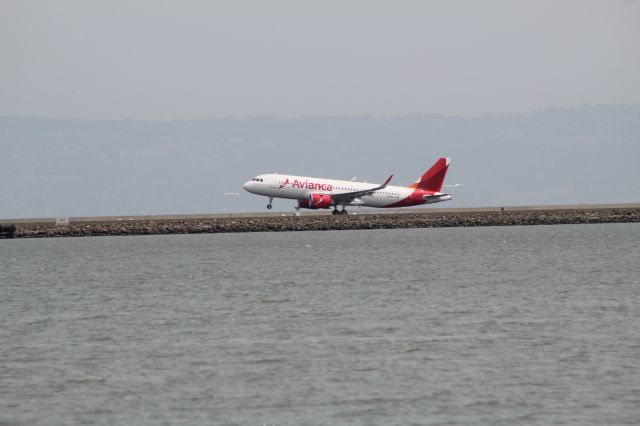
[[347, 197]]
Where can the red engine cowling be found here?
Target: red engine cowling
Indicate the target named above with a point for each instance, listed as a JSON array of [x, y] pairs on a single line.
[[316, 201], [320, 201], [303, 204]]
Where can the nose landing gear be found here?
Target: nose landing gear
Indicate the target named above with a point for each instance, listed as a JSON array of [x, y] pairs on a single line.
[[269, 206]]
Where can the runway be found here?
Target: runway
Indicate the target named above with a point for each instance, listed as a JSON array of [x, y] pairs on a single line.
[[305, 213], [324, 221]]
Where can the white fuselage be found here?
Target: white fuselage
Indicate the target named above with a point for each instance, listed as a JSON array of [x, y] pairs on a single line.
[[301, 187]]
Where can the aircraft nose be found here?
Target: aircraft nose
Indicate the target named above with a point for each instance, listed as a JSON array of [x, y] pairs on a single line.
[[247, 185]]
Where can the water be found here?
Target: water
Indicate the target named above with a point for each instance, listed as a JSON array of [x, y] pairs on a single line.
[[501, 326]]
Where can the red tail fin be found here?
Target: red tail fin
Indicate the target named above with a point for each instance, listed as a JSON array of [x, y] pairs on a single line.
[[433, 179]]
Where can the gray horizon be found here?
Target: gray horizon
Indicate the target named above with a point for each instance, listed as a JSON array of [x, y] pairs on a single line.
[[81, 167], [161, 107]]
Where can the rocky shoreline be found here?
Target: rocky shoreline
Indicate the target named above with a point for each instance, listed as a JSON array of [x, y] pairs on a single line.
[[432, 219]]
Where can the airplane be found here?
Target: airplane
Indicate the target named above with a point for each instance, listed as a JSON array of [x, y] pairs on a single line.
[[317, 193]]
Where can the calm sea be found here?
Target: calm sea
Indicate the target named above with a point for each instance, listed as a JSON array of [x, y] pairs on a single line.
[[499, 326]]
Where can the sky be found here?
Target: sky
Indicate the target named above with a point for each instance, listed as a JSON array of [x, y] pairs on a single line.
[[182, 60]]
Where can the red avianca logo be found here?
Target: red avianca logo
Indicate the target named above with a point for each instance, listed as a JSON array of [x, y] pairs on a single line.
[[306, 184], [286, 182]]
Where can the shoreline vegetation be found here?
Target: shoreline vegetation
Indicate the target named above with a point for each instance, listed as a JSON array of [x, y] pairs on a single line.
[[157, 225]]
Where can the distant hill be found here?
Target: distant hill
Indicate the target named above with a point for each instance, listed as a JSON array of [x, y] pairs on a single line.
[[74, 167]]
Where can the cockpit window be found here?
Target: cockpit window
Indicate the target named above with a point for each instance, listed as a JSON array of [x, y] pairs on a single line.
[[257, 180]]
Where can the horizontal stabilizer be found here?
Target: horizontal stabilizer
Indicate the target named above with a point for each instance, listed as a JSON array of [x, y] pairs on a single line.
[[430, 199]]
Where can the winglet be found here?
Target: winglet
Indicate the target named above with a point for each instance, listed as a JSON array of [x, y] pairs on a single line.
[[386, 182]]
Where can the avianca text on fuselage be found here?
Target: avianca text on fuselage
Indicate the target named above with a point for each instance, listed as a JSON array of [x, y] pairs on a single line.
[[318, 193], [306, 184]]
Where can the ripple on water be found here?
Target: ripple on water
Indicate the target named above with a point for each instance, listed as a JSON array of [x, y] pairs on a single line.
[[519, 325]]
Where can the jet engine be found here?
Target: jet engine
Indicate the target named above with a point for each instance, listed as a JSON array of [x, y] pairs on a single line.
[[320, 201], [316, 201]]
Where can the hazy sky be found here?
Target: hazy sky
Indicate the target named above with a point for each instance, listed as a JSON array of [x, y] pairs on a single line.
[[150, 59]]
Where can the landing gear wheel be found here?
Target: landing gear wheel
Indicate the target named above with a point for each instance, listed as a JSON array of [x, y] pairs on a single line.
[[269, 206], [270, 201], [343, 211], [335, 211]]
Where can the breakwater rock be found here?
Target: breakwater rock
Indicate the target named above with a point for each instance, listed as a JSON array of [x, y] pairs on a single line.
[[432, 219]]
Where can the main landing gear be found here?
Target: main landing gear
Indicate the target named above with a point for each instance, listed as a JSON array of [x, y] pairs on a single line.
[[270, 201], [336, 211]]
